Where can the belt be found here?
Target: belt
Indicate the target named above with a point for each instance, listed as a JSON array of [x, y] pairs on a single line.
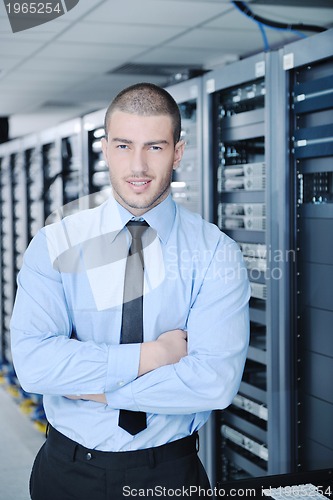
[[122, 459]]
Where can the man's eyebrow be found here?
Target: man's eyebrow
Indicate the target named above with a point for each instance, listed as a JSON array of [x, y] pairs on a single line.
[[149, 143], [119, 139], [153, 143]]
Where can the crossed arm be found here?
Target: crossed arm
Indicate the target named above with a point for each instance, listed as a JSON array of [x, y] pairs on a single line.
[[169, 348], [203, 374]]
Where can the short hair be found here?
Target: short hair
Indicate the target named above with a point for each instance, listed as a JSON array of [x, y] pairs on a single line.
[[146, 99]]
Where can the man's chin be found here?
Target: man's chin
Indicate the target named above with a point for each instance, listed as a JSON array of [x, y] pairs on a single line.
[[140, 204]]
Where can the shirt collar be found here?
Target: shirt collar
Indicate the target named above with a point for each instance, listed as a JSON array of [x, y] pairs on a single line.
[[160, 218]]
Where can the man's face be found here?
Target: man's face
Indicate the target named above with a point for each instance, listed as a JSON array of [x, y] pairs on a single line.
[[141, 155]]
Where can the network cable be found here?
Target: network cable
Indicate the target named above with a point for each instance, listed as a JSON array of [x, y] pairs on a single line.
[[276, 25]]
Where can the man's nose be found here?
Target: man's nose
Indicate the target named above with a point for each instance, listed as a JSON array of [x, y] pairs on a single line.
[[139, 162]]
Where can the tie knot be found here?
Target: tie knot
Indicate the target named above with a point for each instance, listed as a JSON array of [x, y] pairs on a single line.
[[137, 228]]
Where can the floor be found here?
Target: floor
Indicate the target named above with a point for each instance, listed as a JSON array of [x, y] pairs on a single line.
[[19, 443]]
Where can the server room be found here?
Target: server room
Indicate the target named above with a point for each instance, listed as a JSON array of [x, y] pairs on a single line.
[[253, 84]]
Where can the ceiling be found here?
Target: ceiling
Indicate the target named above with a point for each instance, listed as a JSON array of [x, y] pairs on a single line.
[[66, 68]]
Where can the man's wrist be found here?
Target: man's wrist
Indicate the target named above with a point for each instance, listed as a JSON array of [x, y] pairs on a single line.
[[98, 398], [150, 357]]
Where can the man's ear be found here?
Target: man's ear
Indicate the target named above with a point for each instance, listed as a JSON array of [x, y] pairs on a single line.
[[179, 151]]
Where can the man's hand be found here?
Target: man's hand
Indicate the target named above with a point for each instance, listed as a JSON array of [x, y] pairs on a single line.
[[98, 398], [174, 346], [168, 349]]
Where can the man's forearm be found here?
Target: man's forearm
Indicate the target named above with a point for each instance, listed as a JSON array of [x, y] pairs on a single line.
[[169, 348], [98, 398], [149, 360]]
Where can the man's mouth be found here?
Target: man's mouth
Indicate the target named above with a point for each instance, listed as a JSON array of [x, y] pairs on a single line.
[[138, 183]]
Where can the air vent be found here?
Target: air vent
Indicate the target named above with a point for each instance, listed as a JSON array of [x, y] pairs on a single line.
[[171, 72]]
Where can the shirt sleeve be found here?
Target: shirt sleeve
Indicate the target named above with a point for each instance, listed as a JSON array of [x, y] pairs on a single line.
[[46, 359], [209, 376]]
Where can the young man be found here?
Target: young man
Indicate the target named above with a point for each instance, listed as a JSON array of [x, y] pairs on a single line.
[[129, 371]]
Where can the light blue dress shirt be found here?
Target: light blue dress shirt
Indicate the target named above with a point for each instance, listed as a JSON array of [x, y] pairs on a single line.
[[66, 322]]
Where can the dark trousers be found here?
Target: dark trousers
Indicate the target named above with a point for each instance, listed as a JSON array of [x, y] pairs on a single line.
[[65, 470]]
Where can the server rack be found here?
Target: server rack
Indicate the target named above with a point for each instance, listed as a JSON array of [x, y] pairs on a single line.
[[14, 240], [187, 182], [17, 223], [34, 184], [61, 152], [40, 177], [12, 236], [96, 173], [308, 68], [188, 188], [238, 159], [59, 190]]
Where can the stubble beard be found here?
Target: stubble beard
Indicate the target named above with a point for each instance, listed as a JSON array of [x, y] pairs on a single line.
[[126, 203]]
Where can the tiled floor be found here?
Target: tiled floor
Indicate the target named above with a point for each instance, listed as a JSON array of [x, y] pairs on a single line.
[[19, 443]]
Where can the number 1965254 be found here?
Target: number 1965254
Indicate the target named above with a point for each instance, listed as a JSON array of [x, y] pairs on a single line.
[[34, 8]]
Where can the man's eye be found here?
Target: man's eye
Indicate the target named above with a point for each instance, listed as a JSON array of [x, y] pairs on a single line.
[[122, 146], [155, 148]]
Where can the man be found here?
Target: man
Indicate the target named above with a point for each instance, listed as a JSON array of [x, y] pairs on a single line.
[[124, 413]]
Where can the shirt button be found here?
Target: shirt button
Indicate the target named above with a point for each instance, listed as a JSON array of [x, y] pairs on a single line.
[[88, 456], [120, 383]]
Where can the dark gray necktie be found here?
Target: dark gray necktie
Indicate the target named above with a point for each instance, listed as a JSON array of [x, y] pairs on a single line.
[[132, 315]]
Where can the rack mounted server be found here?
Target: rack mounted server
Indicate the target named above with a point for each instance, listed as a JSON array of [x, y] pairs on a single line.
[[309, 79], [40, 181], [240, 189], [269, 160]]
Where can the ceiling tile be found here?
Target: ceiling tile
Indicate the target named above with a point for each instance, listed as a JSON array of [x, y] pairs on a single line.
[[41, 33], [7, 63], [225, 41], [16, 48], [40, 78], [113, 33], [84, 7], [19, 102], [106, 86], [63, 66], [180, 55], [236, 20], [87, 51], [157, 13]]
